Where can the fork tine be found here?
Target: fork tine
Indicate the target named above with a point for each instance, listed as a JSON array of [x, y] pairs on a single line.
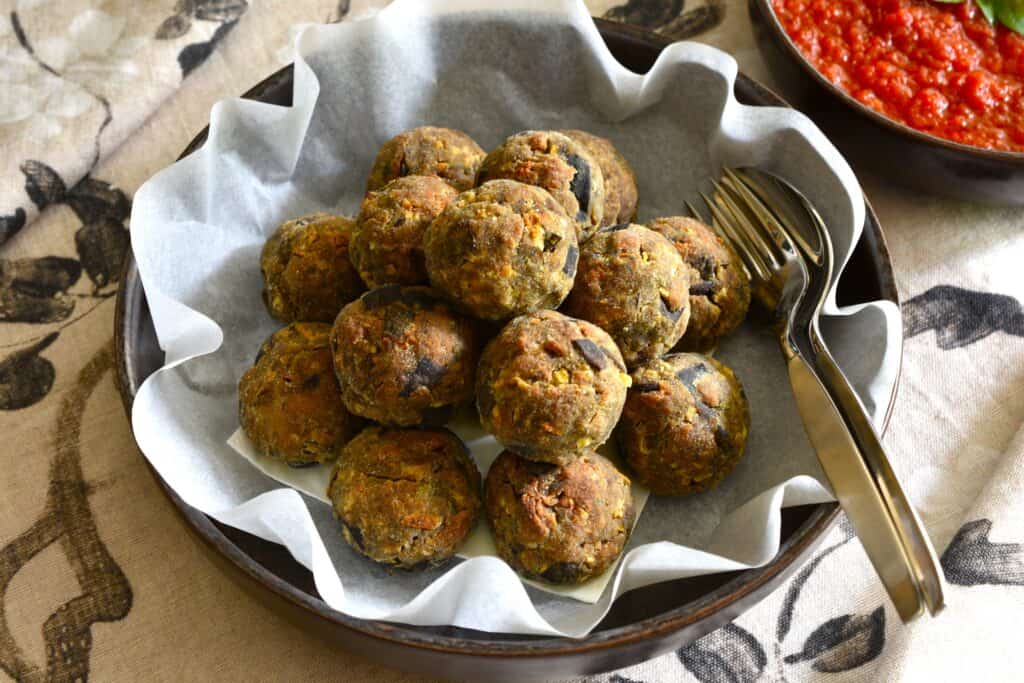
[[767, 244], [769, 228], [783, 202], [710, 222], [725, 222], [693, 211], [739, 233], [728, 224], [822, 234]]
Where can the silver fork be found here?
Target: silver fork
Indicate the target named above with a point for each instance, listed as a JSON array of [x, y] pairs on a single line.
[[791, 275]]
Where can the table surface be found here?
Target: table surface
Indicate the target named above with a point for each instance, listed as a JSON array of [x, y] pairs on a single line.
[[99, 578]]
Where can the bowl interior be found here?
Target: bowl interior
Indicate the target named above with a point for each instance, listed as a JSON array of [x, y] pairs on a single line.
[[683, 609]]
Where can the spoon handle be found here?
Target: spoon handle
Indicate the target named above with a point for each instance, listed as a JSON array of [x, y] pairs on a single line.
[[914, 538], [855, 486]]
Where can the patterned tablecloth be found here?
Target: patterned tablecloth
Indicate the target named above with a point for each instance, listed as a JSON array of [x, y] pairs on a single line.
[[99, 578]]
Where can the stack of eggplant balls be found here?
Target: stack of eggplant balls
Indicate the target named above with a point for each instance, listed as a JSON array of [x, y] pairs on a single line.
[[593, 325]]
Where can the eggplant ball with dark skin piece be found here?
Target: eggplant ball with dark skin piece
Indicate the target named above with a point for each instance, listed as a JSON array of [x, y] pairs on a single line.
[[632, 283], [290, 404], [558, 523], [307, 273], [502, 249], [403, 356], [620, 191], [406, 497], [550, 387], [449, 154], [685, 424], [387, 246], [719, 285], [558, 164]]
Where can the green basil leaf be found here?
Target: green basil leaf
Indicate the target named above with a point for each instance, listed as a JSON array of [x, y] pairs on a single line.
[[988, 8], [1011, 14]]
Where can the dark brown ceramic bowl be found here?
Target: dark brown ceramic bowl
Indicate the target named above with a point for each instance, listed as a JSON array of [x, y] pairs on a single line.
[[642, 623], [869, 139]]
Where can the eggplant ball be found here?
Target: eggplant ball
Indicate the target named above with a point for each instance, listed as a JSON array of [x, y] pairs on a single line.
[[406, 497], [558, 523], [558, 164], [290, 404], [403, 356], [550, 387], [501, 250], [685, 424]]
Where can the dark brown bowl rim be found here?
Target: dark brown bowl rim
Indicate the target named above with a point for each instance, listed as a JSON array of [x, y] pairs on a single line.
[[810, 533], [782, 37]]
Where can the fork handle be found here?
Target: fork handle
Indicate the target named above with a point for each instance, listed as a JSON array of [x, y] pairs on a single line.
[[915, 540], [857, 486]]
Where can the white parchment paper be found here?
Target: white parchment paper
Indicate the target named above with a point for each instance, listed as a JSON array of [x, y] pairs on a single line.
[[484, 449], [198, 227]]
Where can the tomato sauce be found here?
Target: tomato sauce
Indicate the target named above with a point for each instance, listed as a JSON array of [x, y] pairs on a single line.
[[939, 68]]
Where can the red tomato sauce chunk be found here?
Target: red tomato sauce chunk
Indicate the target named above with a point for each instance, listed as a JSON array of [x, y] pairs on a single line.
[[939, 68]]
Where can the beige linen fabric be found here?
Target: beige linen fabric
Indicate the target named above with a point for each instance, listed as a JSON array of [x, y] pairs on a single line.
[[98, 576]]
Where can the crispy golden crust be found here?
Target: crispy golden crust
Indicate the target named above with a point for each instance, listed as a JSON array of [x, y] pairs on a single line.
[[632, 283], [289, 404], [502, 249], [562, 524], [685, 424], [387, 246], [449, 154], [550, 387], [406, 497], [621, 194], [403, 356], [719, 285], [307, 273], [558, 164]]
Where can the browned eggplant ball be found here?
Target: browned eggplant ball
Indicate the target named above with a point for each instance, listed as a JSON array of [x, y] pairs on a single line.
[[406, 497], [558, 164], [719, 285], [449, 154], [307, 273], [289, 403], [685, 424], [387, 246], [633, 284], [558, 523], [620, 191], [550, 387], [403, 356], [502, 249]]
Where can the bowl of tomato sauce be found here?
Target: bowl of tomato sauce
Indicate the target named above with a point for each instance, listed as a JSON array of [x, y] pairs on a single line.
[[930, 94]]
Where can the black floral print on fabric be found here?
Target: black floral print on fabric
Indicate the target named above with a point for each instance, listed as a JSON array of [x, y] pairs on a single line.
[[225, 12], [185, 11], [734, 655], [729, 654], [844, 643], [195, 54], [34, 290], [796, 586], [66, 524], [38, 291], [102, 241], [25, 376], [973, 560], [961, 316], [11, 224], [670, 17]]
